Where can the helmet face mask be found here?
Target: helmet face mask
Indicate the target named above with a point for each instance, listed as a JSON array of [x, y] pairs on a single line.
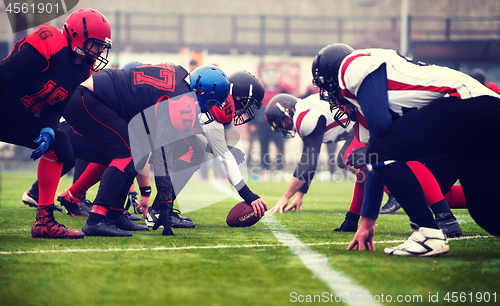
[[344, 109], [89, 36], [96, 60], [279, 114], [246, 114]]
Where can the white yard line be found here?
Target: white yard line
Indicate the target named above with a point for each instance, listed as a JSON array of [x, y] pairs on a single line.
[[342, 285], [200, 247]]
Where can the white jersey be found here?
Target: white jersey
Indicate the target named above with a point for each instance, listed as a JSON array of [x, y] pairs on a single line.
[[410, 85], [307, 113]]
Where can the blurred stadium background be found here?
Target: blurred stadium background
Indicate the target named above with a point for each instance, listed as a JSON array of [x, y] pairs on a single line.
[[252, 35]]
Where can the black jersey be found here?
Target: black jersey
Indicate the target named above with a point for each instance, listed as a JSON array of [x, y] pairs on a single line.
[[40, 75], [128, 92]]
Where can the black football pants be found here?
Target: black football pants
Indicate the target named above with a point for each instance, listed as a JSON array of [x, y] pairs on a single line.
[[468, 131]]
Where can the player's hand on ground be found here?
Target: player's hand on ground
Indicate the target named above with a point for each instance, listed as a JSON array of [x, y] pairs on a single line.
[[259, 207], [143, 205], [364, 236], [296, 203], [280, 206]]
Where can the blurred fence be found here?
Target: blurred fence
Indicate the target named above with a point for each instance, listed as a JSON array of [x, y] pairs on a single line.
[[268, 34]]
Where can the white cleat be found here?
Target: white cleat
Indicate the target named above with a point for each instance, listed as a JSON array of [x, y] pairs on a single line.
[[423, 242]]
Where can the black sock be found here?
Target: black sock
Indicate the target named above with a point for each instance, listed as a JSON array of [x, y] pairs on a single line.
[[114, 213], [94, 219], [440, 207]]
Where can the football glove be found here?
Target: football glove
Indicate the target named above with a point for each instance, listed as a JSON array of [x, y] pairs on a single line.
[[239, 156], [46, 137], [357, 158]]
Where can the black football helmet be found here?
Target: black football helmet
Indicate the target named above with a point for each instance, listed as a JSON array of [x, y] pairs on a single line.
[[325, 70], [279, 114], [247, 91]]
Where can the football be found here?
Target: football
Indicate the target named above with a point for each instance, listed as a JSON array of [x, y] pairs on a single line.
[[241, 215]]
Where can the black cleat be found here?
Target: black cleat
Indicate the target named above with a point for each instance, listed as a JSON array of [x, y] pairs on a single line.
[[176, 220], [124, 223], [391, 206], [350, 223], [180, 222], [86, 205], [178, 212], [449, 224], [104, 228], [132, 217]]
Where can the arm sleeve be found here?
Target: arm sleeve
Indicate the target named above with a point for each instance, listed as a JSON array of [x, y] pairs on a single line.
[[374, 191], [21, 64], [50, 115], [306, 168], [374, 101], [215, 135]]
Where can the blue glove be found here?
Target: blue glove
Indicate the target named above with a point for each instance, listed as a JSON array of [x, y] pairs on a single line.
[[46, 137]]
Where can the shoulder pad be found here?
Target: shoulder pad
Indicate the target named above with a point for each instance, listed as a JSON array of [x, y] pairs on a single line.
[[47, 40]]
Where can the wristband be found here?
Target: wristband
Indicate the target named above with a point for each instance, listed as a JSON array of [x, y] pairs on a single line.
[[145, 191], [247, 194]]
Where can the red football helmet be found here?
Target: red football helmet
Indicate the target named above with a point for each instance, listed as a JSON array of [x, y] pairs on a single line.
[[86, 28]]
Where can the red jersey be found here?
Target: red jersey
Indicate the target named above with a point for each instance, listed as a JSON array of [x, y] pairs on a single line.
[[41, 79]]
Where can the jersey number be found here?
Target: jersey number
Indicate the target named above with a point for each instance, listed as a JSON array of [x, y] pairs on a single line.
[[166, 80], [38, 100]]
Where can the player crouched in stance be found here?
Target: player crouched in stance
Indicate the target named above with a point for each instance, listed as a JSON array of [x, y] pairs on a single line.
[[36, 80], [311, 118], [246, 93], [413, 110]]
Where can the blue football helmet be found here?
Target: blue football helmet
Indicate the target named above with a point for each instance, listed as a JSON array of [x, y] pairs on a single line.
[[211, 86], [132, 64]]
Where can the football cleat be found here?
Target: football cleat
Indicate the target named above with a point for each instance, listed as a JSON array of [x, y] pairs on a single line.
[[350, 223], [124, 223], [151, 217], [449, 224], [132, 217], [46, 226], [423, 242], [30, 199], [132, 201], [71, 204], [180, 222], [104, 228], [178, 212], [176, 220], [391, 206], [85, 205]]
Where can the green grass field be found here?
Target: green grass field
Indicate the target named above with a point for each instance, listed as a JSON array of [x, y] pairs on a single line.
[[217, 265]]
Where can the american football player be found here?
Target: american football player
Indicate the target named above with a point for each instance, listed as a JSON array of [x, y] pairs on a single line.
[[312, 120], [118, 107], [36, 81], [413, 110], [245, 97]]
